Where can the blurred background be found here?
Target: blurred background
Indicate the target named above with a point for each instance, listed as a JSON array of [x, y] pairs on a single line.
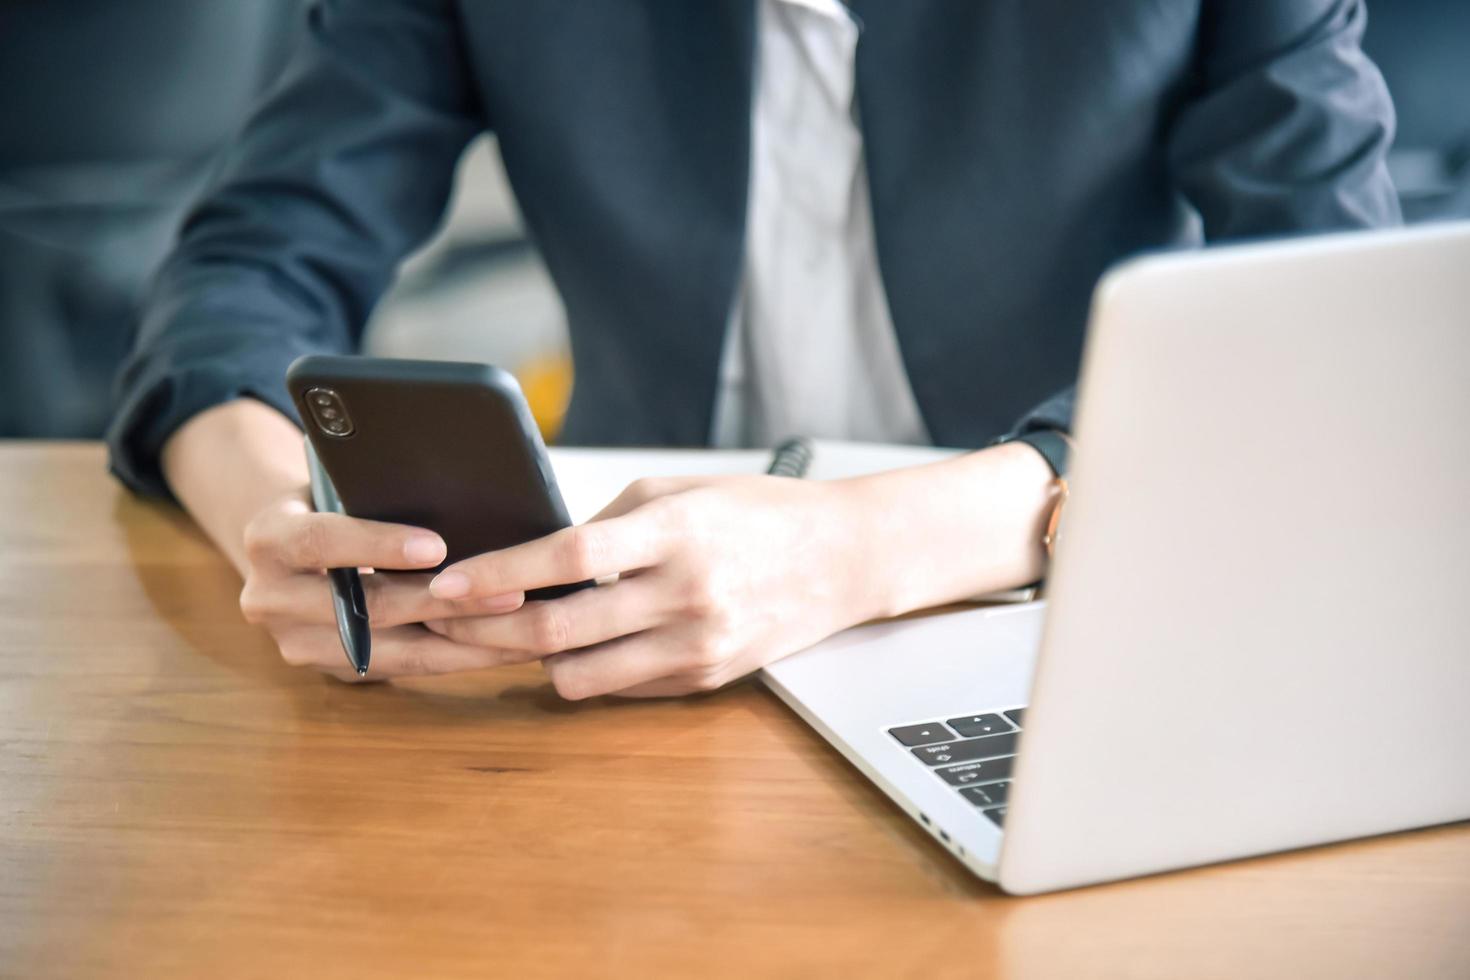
[[112, 114]]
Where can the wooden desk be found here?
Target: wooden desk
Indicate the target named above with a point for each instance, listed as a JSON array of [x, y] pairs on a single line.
[[175, 802]]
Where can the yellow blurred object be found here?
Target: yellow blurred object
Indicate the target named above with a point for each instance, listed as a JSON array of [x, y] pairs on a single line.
[[547, 383]]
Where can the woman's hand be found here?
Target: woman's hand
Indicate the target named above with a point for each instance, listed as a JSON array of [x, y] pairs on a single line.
[[717, 577], [720, 576], [287, 547]]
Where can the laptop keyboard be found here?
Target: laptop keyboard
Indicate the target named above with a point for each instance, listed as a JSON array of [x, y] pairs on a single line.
[[972, 753]]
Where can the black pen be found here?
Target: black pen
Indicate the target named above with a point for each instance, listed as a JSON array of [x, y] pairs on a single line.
[[347, 595], [792, 458]]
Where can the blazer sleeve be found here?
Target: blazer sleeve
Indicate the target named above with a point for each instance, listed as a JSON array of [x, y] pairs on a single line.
[[344, 168], [1284, 129]]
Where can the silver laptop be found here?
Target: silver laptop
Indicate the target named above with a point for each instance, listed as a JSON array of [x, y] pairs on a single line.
[[1257, 630]]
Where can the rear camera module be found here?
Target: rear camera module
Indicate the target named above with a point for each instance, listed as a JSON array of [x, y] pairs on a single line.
[[329, 413]]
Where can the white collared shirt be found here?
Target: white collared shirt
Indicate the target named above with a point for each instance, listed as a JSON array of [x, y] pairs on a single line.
[[810, 349]]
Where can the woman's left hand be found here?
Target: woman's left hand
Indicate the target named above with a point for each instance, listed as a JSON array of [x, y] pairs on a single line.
[[716, 578]]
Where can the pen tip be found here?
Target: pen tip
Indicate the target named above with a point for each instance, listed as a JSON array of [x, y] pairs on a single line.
[[362, 671]]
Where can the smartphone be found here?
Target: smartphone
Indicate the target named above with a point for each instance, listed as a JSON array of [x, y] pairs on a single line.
[[442, 445]]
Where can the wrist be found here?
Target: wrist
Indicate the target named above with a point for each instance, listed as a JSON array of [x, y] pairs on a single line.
[[227, 463], [950, 531], [855, 510]]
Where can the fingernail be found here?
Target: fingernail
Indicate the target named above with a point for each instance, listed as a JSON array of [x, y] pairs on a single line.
[[424, 549], [450, 585]]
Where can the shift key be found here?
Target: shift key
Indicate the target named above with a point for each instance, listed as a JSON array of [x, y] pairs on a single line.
[[965, 750]]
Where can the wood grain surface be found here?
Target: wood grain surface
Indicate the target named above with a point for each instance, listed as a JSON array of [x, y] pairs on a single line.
[[176, 802]]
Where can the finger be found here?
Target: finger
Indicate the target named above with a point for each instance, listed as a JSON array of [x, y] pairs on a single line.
[[400, 600], [577, 620], [309, 541], [404, 651], [623, 664], [412, 651], [575, 554], [508, 656], [392, 600]]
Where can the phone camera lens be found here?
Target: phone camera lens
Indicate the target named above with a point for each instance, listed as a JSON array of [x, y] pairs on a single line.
[[329, 413]]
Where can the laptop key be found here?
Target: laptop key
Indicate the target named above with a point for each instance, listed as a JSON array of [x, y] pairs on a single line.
[[974, 726], [987, 771], [1015, 715], [921, 734], [991, 794], [997, 815], [970, 748]]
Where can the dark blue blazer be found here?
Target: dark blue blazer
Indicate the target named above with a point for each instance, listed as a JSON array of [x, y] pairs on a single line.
[[102, 149], [1015, 149]]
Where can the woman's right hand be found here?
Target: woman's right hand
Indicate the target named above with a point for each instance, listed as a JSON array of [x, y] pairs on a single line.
[[240, 470], [288, 547]]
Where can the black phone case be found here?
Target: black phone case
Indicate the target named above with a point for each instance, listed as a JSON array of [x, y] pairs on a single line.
[[447, 446]]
